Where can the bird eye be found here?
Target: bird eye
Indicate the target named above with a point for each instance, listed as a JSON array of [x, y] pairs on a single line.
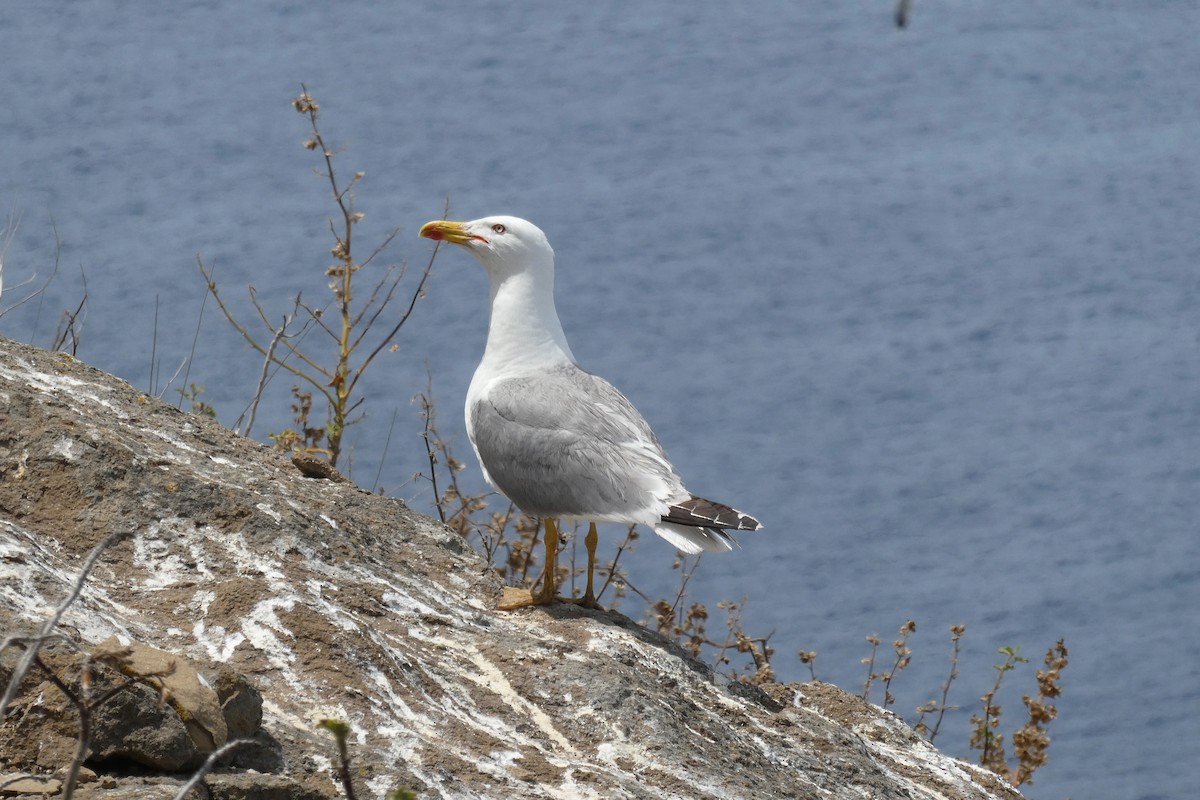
[[498, 228]]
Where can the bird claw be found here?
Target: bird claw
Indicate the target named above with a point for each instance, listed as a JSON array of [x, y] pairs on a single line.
[[513, 598], [583, 602]]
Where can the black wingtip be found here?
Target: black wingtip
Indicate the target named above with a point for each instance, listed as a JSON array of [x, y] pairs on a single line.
[[701, 513]]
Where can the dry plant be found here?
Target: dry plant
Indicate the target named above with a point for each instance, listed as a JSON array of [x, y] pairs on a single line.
[[456, 508], [70, 326], [873, 640], [687, 623], [349, 324], [757, 648], [611, 571], [1030, 741], [903, 659], [986, 736], [207, 766], [193, 392], [70, 323], [196, 404], [940, 707], [7, 234], [809, 659], [341, 733]]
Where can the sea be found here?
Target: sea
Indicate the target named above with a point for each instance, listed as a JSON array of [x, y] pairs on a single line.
[[924, 300]]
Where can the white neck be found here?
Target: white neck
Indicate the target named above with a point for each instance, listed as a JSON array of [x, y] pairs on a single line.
[[524, 330]]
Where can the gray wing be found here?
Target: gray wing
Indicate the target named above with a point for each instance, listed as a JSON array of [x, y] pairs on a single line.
[[567, 443]]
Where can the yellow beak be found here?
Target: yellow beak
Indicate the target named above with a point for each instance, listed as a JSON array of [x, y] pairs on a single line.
[[445, 230]]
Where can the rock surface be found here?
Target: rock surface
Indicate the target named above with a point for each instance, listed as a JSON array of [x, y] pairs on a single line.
[[335, 603], [189, 697]]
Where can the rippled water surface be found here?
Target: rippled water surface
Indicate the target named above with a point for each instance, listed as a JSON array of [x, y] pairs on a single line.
[[925, 301]]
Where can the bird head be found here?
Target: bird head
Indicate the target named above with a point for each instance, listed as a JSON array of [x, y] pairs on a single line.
[[504, 245]]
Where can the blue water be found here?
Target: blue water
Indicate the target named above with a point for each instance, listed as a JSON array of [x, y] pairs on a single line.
[[925, 301]]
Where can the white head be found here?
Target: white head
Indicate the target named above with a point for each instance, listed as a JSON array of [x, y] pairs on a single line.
[[524, 328], [505, 246]]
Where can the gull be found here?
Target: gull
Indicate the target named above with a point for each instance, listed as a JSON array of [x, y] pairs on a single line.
[[561, 442]]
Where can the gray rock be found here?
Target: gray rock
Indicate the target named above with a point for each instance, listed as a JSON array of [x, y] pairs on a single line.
[[338, 603], [136, 726], [242, 706], [194, 702], [13, 785], [250, 786], [151, 722], [240, 702]]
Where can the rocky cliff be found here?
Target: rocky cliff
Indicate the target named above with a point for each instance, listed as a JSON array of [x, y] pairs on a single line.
[[249, 601]]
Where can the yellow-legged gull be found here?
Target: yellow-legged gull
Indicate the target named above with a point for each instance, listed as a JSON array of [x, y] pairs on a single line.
[[558, 441]]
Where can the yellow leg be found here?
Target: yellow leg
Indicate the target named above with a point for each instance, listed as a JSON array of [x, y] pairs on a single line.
[[514, 598], [589, 541], [550, 577], [589, 597], [520, 598]]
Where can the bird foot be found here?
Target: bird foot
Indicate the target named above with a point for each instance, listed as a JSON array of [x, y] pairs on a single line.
[[514, 598], [587, 601]]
